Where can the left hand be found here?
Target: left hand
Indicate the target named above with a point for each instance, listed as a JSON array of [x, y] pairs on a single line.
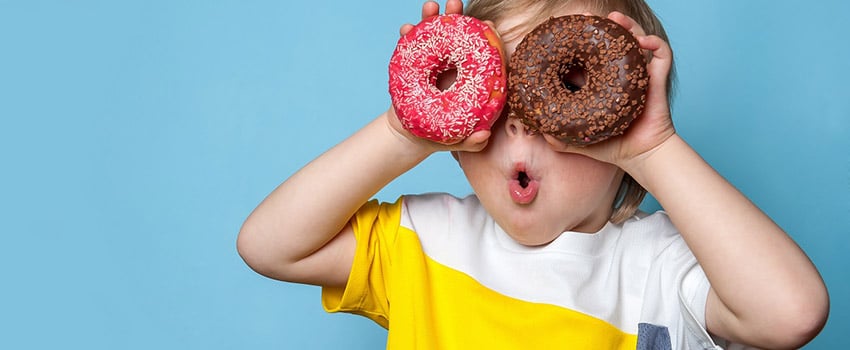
[[654, 126]]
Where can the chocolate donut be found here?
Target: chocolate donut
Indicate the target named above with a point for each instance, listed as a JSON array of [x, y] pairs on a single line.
[[582, 79], [438, 45]]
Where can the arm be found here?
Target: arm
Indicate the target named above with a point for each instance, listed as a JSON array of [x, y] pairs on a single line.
[[765, 291], [301, 231]]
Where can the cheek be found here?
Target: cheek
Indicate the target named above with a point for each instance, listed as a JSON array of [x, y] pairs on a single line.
[[483, 174], [487, 159], [472, 165], [588, 174]]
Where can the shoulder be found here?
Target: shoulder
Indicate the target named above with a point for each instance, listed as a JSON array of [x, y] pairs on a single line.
[[673, 274], [655, 232], [657, 224], [669, 258], [441, 219], [416, 207], [439, 200], [440, 208]]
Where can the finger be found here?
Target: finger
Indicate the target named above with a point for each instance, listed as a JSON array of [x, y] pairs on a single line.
[[454, 6], [430, 9], [658, 46], [560, 146], [662, 56], [600, 151], [658, 69], [632, 26], [477, 141], [405, 28], [627, 22], [556, 144]]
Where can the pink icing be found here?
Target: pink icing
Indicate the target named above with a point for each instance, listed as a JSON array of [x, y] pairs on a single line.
[[473, 102]]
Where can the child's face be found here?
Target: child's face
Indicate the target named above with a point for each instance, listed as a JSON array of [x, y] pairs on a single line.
[[533, 192]]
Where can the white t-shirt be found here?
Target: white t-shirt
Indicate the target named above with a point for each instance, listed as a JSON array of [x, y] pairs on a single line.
[[438, 272]]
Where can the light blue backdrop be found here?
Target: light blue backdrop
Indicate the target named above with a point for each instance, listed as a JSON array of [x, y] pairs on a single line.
[[135, 136]]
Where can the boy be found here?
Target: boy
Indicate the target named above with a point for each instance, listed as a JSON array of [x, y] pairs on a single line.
[[558, 266]]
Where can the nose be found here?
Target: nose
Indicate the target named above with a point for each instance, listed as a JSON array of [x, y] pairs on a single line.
[[515, 128]]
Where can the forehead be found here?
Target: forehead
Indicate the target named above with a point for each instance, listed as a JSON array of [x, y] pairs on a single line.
[[514, 26]]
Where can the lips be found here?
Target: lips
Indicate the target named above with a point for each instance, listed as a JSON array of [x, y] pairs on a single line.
[[522, 186]]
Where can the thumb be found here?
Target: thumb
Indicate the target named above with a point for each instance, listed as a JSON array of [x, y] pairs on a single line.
[[596, 151], [476, 142]]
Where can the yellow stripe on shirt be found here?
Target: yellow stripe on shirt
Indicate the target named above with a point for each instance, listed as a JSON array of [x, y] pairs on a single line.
[[426, 305]]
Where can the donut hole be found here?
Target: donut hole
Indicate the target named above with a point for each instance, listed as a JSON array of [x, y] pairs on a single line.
[[445, 77], [573, 78]]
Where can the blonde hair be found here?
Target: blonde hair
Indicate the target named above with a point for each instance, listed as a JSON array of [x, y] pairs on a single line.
[[630, 194]]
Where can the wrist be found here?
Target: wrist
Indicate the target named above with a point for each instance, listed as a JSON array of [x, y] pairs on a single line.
[[404, 141], [648, 163]]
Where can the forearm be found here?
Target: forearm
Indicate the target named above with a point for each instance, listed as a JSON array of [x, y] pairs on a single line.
[[314, 204], [756, 270]]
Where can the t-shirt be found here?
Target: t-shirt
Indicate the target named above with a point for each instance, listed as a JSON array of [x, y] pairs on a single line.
[[439, 273]]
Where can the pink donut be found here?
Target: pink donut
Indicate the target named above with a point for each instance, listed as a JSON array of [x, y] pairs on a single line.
[[438, 45]]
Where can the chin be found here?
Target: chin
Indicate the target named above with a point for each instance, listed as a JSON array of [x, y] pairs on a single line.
[[533, 240], [531, 234]]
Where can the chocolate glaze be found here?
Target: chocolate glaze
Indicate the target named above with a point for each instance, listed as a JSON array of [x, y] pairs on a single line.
[[614, 72]]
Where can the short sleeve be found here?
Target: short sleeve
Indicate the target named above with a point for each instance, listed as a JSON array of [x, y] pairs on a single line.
[[677, 288], [693, 293], [693, 296], [375, 228]]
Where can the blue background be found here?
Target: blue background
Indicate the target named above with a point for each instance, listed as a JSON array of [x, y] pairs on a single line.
[[136, 136]]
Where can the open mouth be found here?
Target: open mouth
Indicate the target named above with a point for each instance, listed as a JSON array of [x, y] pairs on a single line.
[[523, 187], [523, 179]]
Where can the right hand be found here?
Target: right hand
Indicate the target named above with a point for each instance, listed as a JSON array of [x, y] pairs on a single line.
[[472, 143], [432, 8]]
